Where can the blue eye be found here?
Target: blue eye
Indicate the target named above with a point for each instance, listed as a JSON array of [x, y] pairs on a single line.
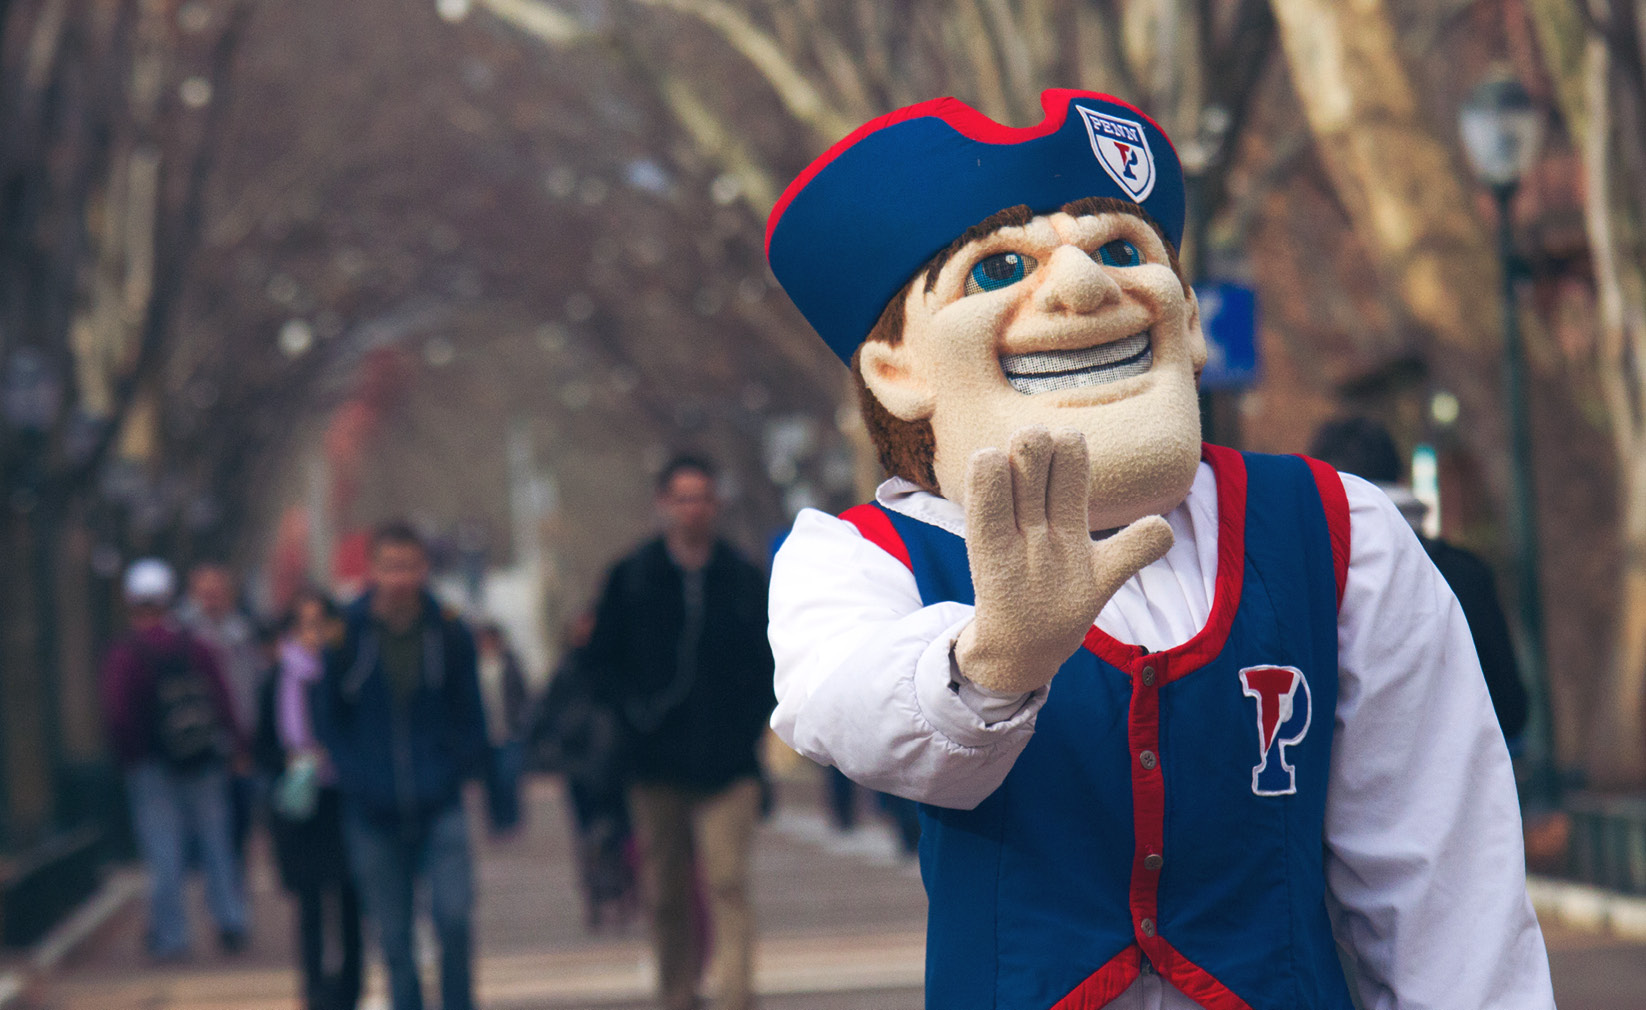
[[995, 272], [1119, 253]]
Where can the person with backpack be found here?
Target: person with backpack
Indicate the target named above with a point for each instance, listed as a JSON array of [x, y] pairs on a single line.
[[211, 612], [576, 735], [172, 728]]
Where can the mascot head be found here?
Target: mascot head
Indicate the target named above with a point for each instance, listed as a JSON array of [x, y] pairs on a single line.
[[980, 279]]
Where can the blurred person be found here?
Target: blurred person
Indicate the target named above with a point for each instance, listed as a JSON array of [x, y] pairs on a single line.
[[211, 613], [575, 734], [503, 691], [842, 797], [905, 817], [174, 731], [679, 650], [1364, 447], [306, 809], [399, 712]]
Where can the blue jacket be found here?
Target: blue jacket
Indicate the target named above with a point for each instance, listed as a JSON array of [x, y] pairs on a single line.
[[1168, 814], [407, 762]]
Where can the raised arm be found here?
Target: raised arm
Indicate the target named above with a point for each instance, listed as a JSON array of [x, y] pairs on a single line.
[[863, 676]]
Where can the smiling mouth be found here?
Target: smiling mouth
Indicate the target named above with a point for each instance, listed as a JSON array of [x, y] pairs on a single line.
[[1049, 371]]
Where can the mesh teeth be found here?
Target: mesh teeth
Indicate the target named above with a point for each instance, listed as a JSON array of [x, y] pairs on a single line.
[[1048, 371]]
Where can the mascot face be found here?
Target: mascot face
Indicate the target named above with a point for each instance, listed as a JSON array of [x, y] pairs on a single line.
[[1068, 322]]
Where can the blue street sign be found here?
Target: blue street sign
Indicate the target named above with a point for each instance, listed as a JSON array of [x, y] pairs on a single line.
[[1228, 316]]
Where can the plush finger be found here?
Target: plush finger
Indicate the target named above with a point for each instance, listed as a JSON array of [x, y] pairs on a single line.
[[1068, 483], [1031, 454], [989, 495], [1128, 552]]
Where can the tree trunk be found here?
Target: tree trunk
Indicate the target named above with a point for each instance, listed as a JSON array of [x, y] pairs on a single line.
[[1602, 103], [26, 772], [1395, 177], [1403, 194], [79, 647]]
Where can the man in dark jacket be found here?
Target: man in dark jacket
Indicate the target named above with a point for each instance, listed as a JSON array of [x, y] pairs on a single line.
[[679, 650], [399, 712]]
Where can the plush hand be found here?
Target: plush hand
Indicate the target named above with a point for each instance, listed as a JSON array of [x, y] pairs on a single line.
[[1039, 578]]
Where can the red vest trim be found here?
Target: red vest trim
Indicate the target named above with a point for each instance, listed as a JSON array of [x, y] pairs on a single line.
[[878, 530], [1105, 985], [1336, 502]]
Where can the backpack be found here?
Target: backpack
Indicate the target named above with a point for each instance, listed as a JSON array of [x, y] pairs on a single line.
[[185, 727]]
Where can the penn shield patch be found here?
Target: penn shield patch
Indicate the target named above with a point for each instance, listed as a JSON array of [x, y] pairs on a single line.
[[1122, 149], [1282, 696]]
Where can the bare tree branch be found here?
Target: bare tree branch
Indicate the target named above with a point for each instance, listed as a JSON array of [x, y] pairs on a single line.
[[968, 33], [1114, 43], [714, 137], [540, 20], [803, 101], [177, 248]]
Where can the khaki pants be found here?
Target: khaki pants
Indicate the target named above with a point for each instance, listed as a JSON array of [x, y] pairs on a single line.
[[673, 825]]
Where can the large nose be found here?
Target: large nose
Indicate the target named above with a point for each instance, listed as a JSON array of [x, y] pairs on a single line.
[[1074, 282]]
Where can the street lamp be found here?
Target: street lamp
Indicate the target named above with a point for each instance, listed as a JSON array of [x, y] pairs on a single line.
[[1502, 130]]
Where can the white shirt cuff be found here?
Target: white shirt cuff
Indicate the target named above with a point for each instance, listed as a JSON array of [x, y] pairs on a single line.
[[967, 714]]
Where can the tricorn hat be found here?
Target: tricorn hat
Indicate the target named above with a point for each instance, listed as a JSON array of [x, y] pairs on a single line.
[[857, 224]]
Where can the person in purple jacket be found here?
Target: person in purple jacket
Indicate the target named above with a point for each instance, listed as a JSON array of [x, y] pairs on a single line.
[[172, 728], [306, 808]]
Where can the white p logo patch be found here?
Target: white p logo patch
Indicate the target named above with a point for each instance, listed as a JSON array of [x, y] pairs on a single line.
[[1282, 695]]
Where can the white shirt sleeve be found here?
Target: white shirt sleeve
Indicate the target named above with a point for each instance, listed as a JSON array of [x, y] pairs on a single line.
[[1425, 860], [864, 679]]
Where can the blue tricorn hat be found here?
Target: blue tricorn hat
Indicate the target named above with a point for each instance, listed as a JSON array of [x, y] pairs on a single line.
[[862, 219]]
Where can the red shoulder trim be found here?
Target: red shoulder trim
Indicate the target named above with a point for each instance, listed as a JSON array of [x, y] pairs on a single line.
[[1104, 985], [877, 529], [1336, 503]]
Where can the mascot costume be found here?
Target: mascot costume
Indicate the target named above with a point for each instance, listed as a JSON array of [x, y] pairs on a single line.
[[1190, 727]]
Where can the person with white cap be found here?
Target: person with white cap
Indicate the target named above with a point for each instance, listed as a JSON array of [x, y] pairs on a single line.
[[172, 728]]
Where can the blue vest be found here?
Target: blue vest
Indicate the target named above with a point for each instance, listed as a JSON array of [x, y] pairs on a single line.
[[1168, 813]]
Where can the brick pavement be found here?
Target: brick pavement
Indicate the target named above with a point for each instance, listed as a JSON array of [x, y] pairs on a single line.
[[841, 924]]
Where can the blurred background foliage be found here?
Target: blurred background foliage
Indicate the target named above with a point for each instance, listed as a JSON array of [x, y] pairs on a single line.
[[270, 272]]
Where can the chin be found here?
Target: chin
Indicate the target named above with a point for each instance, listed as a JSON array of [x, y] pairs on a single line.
[[1146, 479], [1142, 432], [1144, 452]]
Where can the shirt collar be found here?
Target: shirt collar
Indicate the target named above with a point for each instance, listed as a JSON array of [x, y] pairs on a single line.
[[905, 497]]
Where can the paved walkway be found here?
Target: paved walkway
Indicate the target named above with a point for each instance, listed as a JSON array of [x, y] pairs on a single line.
[[841, 926]]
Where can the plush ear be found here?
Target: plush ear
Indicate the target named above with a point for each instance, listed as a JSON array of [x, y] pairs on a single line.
[[1195, 337], [888, 372]]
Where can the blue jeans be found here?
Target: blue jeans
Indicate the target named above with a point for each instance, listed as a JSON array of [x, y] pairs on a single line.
[[169, 809], [503, 772], [388, 859]]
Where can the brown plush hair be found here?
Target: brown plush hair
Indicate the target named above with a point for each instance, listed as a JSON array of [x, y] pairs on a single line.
[[908, 449]]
